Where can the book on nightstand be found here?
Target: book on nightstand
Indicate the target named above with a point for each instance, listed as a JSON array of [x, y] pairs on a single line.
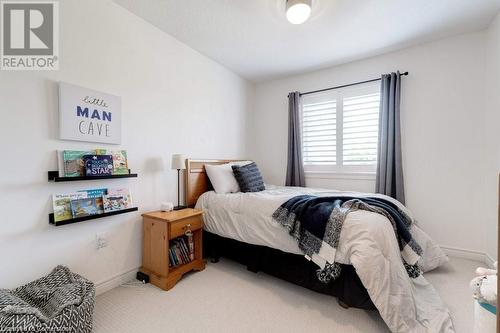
[[180, 251]]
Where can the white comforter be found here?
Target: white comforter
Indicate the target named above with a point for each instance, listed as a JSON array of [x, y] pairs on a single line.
[[367, 242]]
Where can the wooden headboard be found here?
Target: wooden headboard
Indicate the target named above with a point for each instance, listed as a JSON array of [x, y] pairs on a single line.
[[196, 179]]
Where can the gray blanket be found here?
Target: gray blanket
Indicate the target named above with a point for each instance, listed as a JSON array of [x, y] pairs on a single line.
[[316, 222]]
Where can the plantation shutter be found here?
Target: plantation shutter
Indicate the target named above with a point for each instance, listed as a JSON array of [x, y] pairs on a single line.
[[319, 128], [360, 129]]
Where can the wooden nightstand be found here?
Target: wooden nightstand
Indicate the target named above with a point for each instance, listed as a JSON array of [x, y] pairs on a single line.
[[159, 229]]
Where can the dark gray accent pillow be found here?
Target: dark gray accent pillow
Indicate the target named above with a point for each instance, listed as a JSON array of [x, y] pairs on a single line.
[[248, 177]]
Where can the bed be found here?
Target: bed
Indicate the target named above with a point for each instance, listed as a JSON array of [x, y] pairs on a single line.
[[239, 226]]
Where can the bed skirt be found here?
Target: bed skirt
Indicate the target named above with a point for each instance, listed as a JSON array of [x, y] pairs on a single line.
[[289, 267]]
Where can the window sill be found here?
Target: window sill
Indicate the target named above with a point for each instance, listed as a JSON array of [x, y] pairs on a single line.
[[340, 175]]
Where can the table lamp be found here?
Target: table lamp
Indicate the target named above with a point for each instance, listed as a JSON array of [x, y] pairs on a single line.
[[178, 164]]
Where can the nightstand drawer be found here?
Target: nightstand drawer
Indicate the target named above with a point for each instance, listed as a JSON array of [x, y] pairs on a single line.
[[179, 228]]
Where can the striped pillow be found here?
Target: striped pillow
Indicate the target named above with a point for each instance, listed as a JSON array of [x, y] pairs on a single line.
[[248, 177]]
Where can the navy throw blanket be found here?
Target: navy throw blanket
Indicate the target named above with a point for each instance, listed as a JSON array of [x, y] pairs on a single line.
[[315, 223]]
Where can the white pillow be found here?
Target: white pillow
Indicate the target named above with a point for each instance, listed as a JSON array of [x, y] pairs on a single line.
[[222, 178]]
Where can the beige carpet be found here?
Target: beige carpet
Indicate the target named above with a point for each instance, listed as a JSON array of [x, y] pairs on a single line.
[[225, 297]]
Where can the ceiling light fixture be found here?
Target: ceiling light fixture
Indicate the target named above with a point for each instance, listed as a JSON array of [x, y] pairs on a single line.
[[298, 11]]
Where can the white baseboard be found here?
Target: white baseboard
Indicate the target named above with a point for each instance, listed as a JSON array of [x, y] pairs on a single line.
[[456, 252], [115, 281], [489, 261]]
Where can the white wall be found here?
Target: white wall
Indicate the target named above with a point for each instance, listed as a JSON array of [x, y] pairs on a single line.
[[174, 100], [443, 103], [491, 136]]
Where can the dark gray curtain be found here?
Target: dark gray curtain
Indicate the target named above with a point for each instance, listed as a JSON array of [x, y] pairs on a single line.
[[389, 162], [295, 168]]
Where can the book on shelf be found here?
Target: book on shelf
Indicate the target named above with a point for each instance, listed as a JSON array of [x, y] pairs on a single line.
[[122, 192], [178, 256], [180, 252], [62, 205], [184, 254], [171, 258], [84, 207], [187, 251], [97, 194], [120, 162], [183, 249], [98, 165], [90, 202], [74, 165], [117, 199], [112, 203]]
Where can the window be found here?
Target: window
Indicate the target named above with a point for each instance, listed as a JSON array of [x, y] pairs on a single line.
[[340, 129]]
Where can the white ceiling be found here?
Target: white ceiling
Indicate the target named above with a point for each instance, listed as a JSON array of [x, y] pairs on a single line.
[[254, 39]]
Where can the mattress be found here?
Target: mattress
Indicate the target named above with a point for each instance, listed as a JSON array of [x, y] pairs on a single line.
[[367, 242]]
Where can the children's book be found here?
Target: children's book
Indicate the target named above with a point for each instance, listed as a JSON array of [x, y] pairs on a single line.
[[120, 163], [97, 194], [124, 193], [84, 207], [113, 203], [98, 165], [73, 162], [62, 205]]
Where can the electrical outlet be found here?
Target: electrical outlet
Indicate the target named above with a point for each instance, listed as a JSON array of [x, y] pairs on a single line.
[[101, 241]]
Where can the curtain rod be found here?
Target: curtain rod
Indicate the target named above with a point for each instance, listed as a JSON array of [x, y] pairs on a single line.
[[345, 85]]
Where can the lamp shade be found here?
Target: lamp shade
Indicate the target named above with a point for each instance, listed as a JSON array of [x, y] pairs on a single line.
[[178, 161]]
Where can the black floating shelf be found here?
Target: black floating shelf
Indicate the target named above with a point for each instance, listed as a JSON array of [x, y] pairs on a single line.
[[89, 217], [53, 176]]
